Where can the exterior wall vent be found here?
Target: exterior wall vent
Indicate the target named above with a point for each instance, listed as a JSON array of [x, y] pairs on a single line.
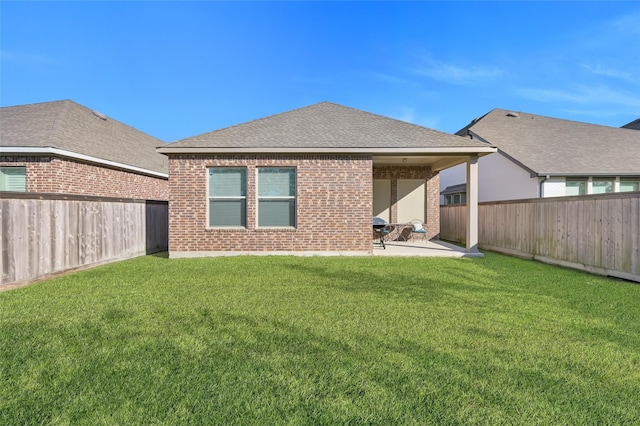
[[100, 115]]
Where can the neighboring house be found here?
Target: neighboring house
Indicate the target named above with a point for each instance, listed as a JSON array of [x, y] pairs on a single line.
[[455, 194], [307, 181], [635, 125], [548, 157], [63, 147]]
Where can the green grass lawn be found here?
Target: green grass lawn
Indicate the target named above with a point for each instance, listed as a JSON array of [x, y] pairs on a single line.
[[316, 340]]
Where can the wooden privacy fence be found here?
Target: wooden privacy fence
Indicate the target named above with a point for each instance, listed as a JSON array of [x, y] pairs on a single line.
[[48, 233], [596, 233]]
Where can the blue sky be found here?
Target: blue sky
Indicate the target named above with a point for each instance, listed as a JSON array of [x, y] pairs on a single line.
[[178, 69]]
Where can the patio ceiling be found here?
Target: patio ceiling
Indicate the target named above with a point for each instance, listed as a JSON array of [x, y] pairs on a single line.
[[436, 162]]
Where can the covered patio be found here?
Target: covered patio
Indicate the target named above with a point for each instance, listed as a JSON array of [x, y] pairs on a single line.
[[406, 188]]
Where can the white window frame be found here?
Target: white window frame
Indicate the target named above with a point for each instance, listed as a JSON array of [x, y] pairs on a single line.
[[606, 180], [628, 180], [293, 197], [583, 181], [11, 181], [213, 198]]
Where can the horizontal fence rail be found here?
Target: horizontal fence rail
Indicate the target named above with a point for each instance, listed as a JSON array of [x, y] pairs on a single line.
[[599, 233], [44, 234]]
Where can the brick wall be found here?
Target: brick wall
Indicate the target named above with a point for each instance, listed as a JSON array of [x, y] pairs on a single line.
[[64, 175], [432, 192], [334, 205]]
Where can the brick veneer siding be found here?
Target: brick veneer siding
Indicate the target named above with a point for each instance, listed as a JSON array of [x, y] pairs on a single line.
[[334, 205], [432, 192], [69, 176]]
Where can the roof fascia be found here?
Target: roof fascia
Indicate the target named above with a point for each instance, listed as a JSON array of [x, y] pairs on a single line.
[[374, 151], [70, 154], [598, 174]]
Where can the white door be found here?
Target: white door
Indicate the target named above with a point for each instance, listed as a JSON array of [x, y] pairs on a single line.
[[411, 200]]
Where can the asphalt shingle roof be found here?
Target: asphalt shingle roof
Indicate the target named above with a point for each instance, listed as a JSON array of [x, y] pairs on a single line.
[[325, 125], [554, 146], [69, 126], [635, 125]]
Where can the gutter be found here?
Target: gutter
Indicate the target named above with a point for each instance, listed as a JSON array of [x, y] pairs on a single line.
[[587, 174], [75, 155], [386, 151]]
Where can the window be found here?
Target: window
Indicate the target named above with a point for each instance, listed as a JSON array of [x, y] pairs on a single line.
[[628, 185], [602, 186], [13, 178], [575, 187], [277, 196], [458, 198], [227, 197]]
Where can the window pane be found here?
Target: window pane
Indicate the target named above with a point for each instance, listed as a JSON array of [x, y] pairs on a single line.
[[227, 212], [447, 199], [575, 187], [276, 182], [13, 179], [277, 213], [627, 186], [456, 198], [602, 186], [227, 182]]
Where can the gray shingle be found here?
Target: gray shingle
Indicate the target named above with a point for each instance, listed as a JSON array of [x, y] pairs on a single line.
[[325, 125], [554, 146], [69, 126], [635, 125]]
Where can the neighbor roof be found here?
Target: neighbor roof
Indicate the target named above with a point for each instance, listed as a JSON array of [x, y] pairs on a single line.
[[551, 146], [455, 189], [325, 127], [65, 127], [635, 125]]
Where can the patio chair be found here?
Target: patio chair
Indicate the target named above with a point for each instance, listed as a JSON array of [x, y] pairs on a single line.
[[417, 227]]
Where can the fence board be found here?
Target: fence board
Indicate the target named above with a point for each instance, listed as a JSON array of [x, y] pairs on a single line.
[[48, 233], [599, 233]]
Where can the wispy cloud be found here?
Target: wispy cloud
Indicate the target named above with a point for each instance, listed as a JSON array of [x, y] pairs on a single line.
[[25, 58], [459, 74], [628, 24], [409, 115], [616, 73], [583, 95], [388, 78]]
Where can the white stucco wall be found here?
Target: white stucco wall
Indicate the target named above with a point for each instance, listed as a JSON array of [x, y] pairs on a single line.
[[499, 179], [554, 187]]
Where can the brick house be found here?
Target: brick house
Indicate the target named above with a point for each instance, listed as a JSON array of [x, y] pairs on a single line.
[[306, 181], [64, 147]]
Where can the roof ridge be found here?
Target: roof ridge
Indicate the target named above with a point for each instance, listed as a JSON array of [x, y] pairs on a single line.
[[355, 110], [390, 118], [58, 124], [253, 121], [551, 118]]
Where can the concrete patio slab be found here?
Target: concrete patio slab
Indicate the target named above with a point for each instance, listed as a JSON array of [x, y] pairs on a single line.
[[434, 248]]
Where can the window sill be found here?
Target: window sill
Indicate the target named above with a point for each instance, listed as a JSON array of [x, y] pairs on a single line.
[[275, 229]]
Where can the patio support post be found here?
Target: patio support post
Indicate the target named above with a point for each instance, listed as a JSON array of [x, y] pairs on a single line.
[[472, 205]]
